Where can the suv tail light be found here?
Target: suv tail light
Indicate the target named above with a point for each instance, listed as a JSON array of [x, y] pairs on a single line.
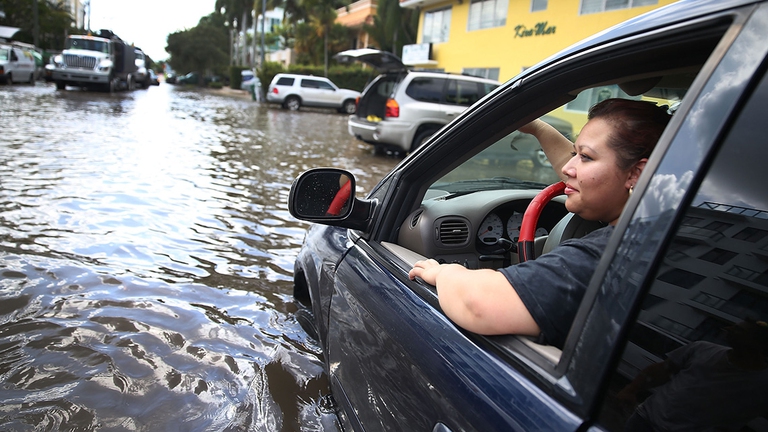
[[274, 90], [393, 109]]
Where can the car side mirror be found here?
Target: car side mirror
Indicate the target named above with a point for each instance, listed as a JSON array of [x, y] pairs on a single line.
[[327, 196]]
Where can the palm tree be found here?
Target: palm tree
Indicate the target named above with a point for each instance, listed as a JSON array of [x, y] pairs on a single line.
[[238, 12]]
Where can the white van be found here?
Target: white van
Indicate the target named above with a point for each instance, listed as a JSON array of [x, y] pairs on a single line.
[[16, 64]]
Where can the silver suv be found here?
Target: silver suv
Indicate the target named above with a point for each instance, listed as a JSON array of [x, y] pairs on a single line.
[[294, 91], [400, 109]]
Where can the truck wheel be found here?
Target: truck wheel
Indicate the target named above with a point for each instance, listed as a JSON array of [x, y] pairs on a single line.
[[292, 103], [9, 80], [112, 85], [60, 85]]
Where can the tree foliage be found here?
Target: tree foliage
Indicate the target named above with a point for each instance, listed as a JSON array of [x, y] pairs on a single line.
[[393, 26], [203, 48], [54, 22]]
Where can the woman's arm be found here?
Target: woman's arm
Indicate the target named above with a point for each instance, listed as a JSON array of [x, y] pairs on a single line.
[[482, 301], [558, 148]]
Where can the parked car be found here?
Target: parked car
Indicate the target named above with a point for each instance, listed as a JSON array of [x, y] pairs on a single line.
[[171, 78], [16, 64], [400, 109], [293, 91], [687, 257], [153, 80]]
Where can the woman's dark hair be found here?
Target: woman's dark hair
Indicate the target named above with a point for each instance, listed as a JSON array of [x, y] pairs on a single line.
[[637, 126]]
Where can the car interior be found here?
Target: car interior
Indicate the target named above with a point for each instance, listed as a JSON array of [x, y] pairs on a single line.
[[470, 212]]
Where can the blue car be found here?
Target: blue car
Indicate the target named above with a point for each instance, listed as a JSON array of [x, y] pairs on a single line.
[[686, 266]]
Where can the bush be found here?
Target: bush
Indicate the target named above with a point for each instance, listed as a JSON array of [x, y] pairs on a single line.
[[216, 85], [235, 76], [353, 77]]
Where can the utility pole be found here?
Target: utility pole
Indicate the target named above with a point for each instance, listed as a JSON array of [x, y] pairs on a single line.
[[263, 28], [36, 17]]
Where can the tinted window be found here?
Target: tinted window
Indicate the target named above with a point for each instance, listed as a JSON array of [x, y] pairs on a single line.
[[462, 92], [426, 89], [285, 81], [696, 357]]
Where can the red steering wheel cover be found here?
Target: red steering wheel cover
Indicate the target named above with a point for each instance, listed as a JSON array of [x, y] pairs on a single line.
[[340, 199], [525, 247]]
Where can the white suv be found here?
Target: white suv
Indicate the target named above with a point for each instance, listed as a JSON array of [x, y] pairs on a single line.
[[400, 109], [293, 91]]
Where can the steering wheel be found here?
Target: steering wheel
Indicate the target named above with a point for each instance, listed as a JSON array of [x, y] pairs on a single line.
[[525, 246], [340, 199]]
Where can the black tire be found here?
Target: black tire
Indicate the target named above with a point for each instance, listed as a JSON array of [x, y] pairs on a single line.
[[421, 137], [9, 80], [292, 103], [307, 321], [60, 85], [31, 78], [348, 107]]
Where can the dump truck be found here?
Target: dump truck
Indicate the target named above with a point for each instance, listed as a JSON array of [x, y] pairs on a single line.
[[96, 61]]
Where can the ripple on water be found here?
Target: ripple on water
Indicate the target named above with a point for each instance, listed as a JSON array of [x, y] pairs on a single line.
[[146, 260]]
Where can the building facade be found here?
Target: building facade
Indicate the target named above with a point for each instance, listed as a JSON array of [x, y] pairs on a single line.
[[500, 38]]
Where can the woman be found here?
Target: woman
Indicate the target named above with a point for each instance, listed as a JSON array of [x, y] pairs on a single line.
[[540, 297]]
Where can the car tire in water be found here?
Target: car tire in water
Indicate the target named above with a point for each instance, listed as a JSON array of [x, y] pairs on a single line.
[[421, 137], [292, 103], [348, 107], [307, 321]]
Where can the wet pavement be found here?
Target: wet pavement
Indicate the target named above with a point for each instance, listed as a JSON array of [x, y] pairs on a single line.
[[146, 260]]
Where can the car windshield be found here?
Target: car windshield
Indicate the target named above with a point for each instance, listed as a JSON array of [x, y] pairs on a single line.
[[516, 161], [4, 53], [87, 44]]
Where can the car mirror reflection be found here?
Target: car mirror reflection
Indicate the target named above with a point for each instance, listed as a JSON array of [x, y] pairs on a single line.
[[323, 194]]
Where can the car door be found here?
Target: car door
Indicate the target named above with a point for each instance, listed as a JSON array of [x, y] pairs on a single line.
[[315, 92], [397, 363], [695, 353]]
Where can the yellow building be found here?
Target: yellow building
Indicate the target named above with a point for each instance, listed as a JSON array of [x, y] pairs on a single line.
[[500, 38]]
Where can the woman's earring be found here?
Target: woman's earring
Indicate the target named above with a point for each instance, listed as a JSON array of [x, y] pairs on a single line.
[[631, 188]]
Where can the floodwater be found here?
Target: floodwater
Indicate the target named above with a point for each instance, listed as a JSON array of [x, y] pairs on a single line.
[[146, 260]]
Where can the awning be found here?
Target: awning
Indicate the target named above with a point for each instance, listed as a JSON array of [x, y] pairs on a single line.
[[8, 32]]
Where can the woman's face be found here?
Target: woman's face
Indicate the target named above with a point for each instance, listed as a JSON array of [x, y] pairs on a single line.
[[596, 188]]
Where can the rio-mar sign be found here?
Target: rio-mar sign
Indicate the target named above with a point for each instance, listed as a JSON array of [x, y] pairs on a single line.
[[540, 29]]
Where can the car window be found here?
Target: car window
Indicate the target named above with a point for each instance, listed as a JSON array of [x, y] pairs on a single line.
[[461, 92], [516, 161], [426, 89], [696, 355], [324, 85], [285, 81]]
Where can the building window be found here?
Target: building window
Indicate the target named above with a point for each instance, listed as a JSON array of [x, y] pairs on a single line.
[[681, 278], [594, 6], [490, 73], [718, 256], [487, 13], [436, 26], [538, 5], [587, 98], [750, 234]]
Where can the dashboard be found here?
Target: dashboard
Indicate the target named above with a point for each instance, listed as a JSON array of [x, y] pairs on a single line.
[[478, 230]]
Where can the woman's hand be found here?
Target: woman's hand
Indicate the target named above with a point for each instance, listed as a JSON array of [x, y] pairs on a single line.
[[427, 270]]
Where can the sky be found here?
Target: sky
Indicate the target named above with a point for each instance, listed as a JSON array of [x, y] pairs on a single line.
[[147, 23]]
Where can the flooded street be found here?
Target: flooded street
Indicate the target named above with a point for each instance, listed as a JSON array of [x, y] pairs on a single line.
[[146, 260]]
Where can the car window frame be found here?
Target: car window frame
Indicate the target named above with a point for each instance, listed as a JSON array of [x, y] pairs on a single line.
[[409, 178]]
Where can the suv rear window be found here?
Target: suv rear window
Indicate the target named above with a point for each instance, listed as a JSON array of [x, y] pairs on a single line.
[[465, 93], [284, 81], [426, 89]]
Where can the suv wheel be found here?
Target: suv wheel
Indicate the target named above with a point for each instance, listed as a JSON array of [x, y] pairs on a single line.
[[292, 103], [348, 107], [421, 137]]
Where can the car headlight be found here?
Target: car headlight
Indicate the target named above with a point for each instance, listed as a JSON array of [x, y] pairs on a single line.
[[58, 60], [105, 65]]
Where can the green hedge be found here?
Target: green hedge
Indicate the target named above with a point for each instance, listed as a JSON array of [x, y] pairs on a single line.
[[235, 76], [353, 77]]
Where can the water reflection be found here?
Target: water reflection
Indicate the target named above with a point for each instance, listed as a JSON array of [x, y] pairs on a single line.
[[146, 260]]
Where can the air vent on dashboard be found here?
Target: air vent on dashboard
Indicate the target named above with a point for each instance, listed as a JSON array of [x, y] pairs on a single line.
[[453, 232], [415, 218]]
